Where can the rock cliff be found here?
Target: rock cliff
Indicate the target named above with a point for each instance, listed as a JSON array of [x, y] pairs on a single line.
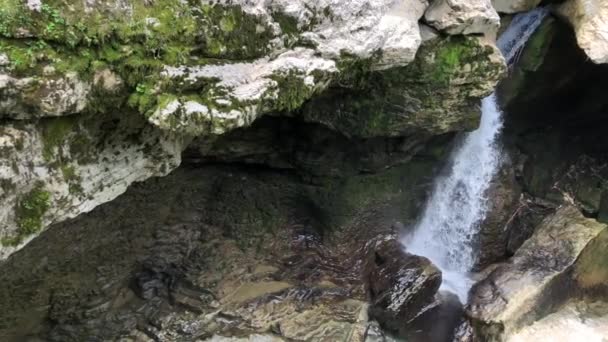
[[281, 147], [96, 95]]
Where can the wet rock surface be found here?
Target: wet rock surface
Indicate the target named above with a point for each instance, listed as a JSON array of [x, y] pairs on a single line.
[[400, 285], [547, 285], [403, 293], [208, 252], [498, 226], [538, 277]]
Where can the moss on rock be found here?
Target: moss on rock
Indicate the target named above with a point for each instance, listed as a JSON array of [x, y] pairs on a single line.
[[436, 94], [133, 39], [54, 135], [29, 213], [531, 58]]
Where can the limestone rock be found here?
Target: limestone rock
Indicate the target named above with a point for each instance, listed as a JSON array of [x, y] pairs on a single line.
[[90, 108], [49, 95], [590, 21], [360, 27], [228, 62], [284, 80], [516, 293], [61, 167], [267, 45], [400, 285], [575, 321], [248, 86], [514, 6], [413, 99], [463, 16]]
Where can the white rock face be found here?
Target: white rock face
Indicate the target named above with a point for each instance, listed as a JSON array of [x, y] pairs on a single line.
[[463, 16], [356, 27], [70, 180], [514, 6], [245, 86], [244, 91], [590, 21]]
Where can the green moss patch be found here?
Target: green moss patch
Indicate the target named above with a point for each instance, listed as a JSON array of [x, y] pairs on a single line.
[[136, 40], [29, 213], [291, 92], [427, 96]]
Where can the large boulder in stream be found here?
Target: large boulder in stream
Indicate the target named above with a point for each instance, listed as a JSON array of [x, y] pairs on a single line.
[[400, 285], [404, 292], [540, 277]]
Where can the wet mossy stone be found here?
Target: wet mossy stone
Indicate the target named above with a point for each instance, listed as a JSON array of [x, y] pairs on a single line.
[[437, 93], [530, 60], [29, 213], [134, 39]]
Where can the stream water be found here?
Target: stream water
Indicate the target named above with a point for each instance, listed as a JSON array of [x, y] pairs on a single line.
[[449, 225]]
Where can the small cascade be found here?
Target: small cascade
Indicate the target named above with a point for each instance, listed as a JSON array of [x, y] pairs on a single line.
[[450, 222]]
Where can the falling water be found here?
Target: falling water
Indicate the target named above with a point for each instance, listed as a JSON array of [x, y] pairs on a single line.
[[458, 204]]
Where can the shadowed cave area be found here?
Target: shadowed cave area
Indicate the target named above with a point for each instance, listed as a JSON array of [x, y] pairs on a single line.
[[174, 246]]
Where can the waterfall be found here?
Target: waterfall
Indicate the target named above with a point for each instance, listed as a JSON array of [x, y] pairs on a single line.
[[450, 221]]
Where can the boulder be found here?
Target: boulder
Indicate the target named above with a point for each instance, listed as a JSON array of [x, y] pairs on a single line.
[[58, 168], [590, 21], [400, 285], [536, 279], [514, 6], [528, 214], [591, 270], [463, 16]]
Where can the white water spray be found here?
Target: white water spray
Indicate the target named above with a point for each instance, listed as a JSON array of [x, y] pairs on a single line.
[[450, 222]]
